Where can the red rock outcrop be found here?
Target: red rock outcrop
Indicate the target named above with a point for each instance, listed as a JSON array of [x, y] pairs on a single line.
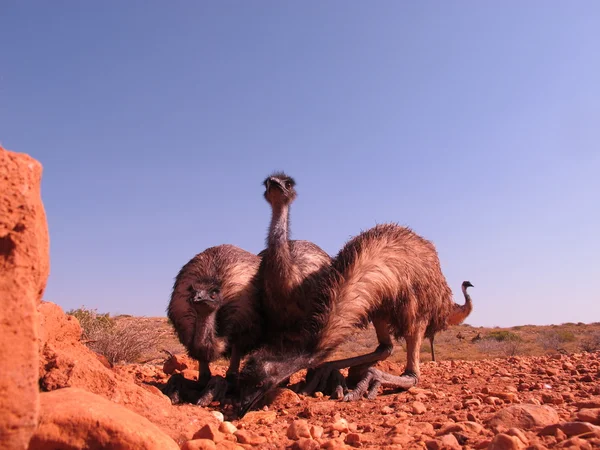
[[75, 418], [24, 267], [66, 362]]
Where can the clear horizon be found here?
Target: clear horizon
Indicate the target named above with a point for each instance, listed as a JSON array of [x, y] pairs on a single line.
[[475, 124]]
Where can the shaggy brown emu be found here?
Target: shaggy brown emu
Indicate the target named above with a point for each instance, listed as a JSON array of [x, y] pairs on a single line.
[[387, 275], [458, 314], [214, 312], [286, 265]]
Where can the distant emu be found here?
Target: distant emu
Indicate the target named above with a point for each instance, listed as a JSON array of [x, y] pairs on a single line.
[[387, 275], [214, 312], [458, 315]]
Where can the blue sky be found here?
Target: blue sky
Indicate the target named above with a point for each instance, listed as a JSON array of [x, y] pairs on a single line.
[[475, 123]]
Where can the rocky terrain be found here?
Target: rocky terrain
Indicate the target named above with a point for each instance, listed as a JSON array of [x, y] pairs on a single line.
[[57, 393]]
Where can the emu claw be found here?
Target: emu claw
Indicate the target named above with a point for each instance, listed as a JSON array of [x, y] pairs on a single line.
[[181, 390], [215, 391], [372, 379], [325, 379]]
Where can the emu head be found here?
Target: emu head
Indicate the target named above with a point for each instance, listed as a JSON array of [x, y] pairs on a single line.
[[467, 284], [263, 372], [205, 294], [279, 189]]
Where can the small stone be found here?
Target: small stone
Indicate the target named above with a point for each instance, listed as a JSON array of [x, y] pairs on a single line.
[[516, 432], [505, 442], [575, 428], [552, 398], [387, 410], [334, 444], [340, 425], [306, 444], [260, 417], [218, 415], [591, 415], [401, 439], [449, 441], [316, 431], [433, 444], [247, 437], [491, 400], [175, 363], [209, 431], [199, 444], [423, 428], [472, 427], [450, 428], [471, 402], [227, 428], [282, 398], [298, 429], [353, 439], [568, 428], [524, 417], [560, 435], [228, 445], [418, 408]]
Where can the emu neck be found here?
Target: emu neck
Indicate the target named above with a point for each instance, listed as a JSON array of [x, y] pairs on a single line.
[[278, 241], [279, 230], [204, 334]]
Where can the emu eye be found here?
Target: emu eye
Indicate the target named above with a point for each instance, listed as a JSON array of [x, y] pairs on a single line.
[[288, 184], [260, 384], [214, 293]]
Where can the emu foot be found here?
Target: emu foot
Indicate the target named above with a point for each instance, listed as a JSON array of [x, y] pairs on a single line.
[[181, 390], [215, 391], [325, 379], [369, 380]]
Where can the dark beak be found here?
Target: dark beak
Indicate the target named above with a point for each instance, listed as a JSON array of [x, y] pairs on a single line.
[[250, 402], [274, 182]]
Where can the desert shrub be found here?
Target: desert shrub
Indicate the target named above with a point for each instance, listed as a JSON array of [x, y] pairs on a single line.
[[517, 328], [127, 341], [503, 336], [511, 347], [492, 347], [591, 343], [118, 340], [92, 323], [554, 339], [489, 347], [566, 336]]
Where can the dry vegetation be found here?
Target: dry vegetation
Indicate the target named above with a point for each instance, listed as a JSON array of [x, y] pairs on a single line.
[[143, 339]]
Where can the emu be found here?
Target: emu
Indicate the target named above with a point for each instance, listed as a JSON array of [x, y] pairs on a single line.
[[387, 275]]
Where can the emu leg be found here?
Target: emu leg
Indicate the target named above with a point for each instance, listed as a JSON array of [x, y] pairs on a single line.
[[370, 379], [232, 372], [329, 371], [181, 390], [204, 375], [214, 391], [218, 387], [432, 352]]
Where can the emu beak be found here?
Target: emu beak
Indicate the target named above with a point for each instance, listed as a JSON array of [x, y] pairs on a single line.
[[274, 182], [250, 402]]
